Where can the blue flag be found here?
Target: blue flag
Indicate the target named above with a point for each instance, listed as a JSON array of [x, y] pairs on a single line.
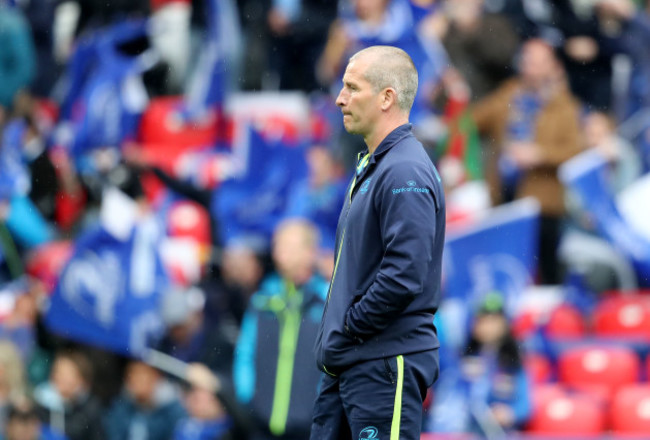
[[209, 83], [106, 96], [496, 255], [108, 293], [587, 176], [14, 174], [249, 207]]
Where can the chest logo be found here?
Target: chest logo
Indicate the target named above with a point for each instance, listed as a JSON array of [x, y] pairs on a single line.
[[411, 183]]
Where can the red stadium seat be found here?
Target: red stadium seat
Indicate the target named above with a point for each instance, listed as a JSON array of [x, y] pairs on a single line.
[[598, 369], [538, 368], [565, 321], [630, 410], [564, 414], [623, 316]]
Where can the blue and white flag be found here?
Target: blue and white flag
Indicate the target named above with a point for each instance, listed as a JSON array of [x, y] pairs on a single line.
[[106, 95], [249, 207], [496, 254], [586, 175], [211, 78], [14, 173], [108, 293]]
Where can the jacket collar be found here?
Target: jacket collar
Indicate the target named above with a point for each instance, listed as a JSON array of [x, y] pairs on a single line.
[[393, 137]]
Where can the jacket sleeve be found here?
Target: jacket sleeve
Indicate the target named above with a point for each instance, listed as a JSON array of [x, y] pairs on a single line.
[[407, 222]]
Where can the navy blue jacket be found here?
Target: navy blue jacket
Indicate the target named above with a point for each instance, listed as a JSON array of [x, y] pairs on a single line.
[[386, 283]]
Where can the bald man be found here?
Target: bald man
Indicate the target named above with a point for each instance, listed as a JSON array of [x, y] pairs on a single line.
[[377, 345]]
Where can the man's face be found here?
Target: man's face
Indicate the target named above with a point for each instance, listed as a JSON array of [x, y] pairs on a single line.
[[357, 100], [538, 64], [23, 429]]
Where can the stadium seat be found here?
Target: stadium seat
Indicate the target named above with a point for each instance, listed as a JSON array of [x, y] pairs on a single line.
[[623, 316], [565, 321], [630, 410], [538, 367], [558, 413], [600, 370]]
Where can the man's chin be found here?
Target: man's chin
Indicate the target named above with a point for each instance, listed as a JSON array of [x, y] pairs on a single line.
[[351, 129]]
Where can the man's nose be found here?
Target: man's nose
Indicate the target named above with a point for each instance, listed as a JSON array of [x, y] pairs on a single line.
[[340, 100]]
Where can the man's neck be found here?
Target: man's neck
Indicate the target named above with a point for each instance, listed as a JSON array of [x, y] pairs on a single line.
[[375, 138]]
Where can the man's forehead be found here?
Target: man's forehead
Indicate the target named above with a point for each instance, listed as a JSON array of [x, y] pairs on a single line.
[[354, 70]]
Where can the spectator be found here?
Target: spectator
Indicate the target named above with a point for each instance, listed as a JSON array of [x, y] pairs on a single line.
[[632, 26], [23, 424], [12, 378], [600, 133], [66, 403], [480, 45], [40, 15], [273, 371], [493, 370], [207, 418], [297, 29], [534, 19], [532, 121], [17, 52], [191, 337], [148, 409], [587, 53]]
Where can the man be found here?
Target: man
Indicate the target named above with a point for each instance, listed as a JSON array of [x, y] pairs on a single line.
[[271, 376], [23, 424], [377, 343], [533, 123]]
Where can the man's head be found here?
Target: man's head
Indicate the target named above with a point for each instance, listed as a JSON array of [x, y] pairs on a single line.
[[295, 246], [370, 10], [22, 421], [142, 381], [538, 66], [379, 85], [72, 374]]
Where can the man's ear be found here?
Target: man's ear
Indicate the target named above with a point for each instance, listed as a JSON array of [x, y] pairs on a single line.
[[389, 98]]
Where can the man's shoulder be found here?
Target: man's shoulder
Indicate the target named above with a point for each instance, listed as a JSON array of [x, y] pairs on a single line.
[[406, 155]]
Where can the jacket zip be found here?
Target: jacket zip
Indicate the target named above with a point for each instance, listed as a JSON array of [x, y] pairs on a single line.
[[362, 163]]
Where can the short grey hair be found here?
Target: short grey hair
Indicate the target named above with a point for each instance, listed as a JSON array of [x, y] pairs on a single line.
[[391, 67]]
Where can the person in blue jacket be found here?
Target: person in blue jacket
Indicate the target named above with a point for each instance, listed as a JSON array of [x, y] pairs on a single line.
[[23, 423], [492, 374], [377, 343], [273, 356]]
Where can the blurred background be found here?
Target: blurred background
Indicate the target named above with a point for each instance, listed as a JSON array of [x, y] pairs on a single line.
[[171, 174]]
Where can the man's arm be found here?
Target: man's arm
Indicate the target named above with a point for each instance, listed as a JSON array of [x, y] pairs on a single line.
[[408, 228]]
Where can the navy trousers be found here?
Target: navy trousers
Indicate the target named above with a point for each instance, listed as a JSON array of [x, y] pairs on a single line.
[[379, 399]]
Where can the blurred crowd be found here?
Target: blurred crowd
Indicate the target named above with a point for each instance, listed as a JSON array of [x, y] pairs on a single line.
[[171, 174]]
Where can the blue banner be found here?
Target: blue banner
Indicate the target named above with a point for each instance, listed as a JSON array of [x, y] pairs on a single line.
[[108, 293], [106, 95], [587, 177], [249, 207], [209, 83], [496, 254]]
